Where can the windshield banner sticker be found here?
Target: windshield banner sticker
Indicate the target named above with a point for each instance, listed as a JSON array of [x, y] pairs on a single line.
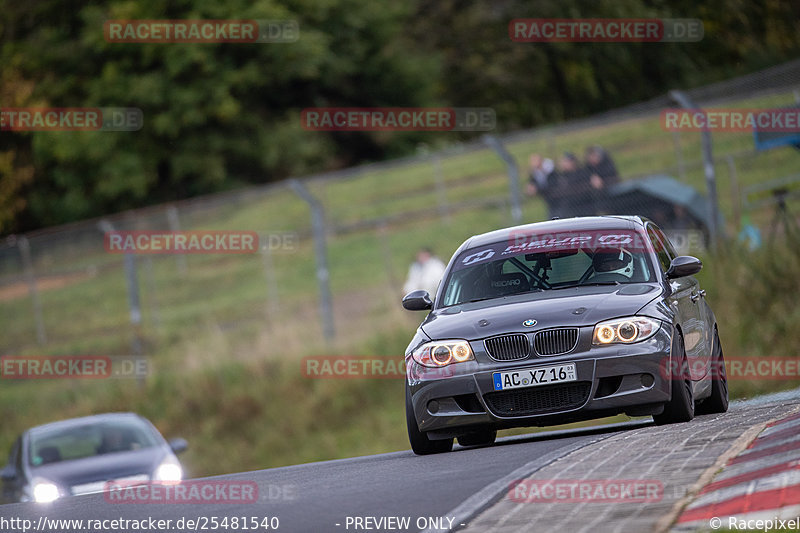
[[526, 242]]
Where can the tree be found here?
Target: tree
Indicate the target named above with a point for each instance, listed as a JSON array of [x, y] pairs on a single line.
[[215, 115]]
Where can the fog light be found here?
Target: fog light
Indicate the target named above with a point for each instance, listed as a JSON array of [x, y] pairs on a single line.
[[647, 380], [433, 407]]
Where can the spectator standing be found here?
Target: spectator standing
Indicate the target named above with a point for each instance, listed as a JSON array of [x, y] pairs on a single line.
[[573, 194], [540, 173], [602, 175], [540, 170], [425, 273]]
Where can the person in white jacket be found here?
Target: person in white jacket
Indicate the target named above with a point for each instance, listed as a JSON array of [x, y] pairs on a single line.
[[425, 273]]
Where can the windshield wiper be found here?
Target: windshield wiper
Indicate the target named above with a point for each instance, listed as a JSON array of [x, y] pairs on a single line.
[[589, 283], [481, 299], [535, 289]]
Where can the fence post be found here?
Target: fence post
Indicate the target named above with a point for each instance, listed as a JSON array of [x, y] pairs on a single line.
[[132, 281], [272, 282], [321, 254], [174, 222], [708, 167], [735, 196], [423, 150], [30, 278], [513, 175], [676, 141], [152, 292], [134, 305]]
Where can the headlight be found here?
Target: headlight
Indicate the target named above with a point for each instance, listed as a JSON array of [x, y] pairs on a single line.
[[169, 470], [45, 491], [625, 330], [442, 353]]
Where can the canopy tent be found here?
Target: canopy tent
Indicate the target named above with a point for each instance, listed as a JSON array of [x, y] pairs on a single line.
[[665, 200]]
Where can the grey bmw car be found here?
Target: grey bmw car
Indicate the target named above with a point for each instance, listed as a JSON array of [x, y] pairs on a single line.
[[556, 322]]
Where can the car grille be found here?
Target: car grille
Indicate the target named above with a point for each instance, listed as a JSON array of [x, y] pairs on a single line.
[[104, 486], [538, 400], [508, 347], [555, 341]]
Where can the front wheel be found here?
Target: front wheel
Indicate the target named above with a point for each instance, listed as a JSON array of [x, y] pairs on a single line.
[[680, 408], [718, 401], [420, 443]]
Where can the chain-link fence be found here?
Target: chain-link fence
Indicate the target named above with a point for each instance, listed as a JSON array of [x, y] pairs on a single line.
[[61, 291]]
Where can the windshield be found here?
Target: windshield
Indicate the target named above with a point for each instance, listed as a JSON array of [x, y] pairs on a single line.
[[540, 262], [87, 440]]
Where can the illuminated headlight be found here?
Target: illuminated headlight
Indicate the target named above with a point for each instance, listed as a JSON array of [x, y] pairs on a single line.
[[168, 471], [45, 491], [625, 330], [442, 353]]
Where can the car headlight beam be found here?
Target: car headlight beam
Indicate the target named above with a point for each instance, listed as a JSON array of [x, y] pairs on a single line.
[[45, 491], [462, 352], [604, 334], [625, 330], [437, 354], [169, 471]]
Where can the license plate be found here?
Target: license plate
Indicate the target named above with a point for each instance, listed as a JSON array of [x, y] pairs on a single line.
[[532, 377]]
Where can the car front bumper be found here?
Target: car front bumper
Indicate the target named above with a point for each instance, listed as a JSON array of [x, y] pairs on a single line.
[[613, 379]]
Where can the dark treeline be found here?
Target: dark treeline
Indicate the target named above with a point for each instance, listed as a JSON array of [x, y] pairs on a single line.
[[218, 116]]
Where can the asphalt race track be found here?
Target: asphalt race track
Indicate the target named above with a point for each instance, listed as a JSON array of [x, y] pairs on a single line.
[[436, 493]]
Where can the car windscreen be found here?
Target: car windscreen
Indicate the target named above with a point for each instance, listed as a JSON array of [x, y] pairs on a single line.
[[87, 440], [547, 261]]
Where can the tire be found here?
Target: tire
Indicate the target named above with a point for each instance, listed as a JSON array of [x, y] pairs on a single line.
[[484, 437], [718, 401], [420, 443], [680, 408]]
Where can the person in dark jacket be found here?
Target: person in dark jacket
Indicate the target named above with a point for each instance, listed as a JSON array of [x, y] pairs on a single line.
[[572, 191], [602, 175], [602, 170]]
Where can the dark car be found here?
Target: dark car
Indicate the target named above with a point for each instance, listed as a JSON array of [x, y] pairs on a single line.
[[81, 455], [557, 322]]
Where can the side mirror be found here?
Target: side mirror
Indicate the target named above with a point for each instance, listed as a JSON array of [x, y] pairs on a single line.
[[8, 473], [418, 300], [178, 445], [684, 265]]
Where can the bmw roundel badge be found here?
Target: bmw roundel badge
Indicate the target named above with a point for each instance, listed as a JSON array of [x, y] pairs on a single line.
[[529, 323]]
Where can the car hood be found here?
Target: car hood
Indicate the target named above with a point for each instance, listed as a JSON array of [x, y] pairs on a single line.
[[577, 306], [105, 467]]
